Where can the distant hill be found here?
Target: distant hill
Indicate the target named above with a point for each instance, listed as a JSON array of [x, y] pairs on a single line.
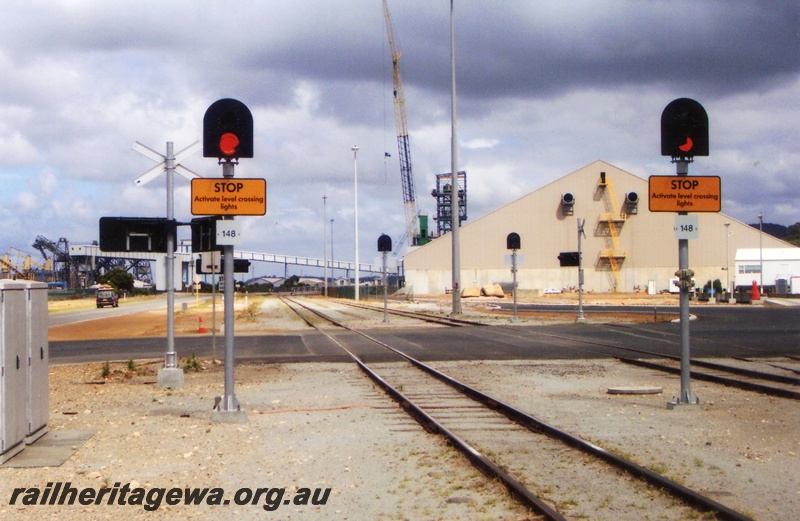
[[787, 233]]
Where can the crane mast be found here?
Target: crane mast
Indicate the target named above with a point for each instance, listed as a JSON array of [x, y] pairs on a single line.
[[403, 148]]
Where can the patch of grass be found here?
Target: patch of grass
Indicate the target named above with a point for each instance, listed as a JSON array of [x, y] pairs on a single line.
[[568, 503], [249, 312], [106, 371], [659, 468], [131, 365], [716, 469], [192, 364]]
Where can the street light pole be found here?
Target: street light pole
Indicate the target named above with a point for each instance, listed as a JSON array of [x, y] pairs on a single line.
[[355, 204], [727, 266], [456, 247], [761, 251], [325, 242], [333, 277]]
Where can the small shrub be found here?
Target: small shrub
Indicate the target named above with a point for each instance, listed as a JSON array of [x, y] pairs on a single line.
[[248, 313], [192, 364]]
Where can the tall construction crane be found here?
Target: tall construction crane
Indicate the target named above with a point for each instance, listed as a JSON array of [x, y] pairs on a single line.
[[403, 148]]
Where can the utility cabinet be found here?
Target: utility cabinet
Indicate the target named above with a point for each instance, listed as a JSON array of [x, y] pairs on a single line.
[[38, 358], [13, 368], [24, 365]]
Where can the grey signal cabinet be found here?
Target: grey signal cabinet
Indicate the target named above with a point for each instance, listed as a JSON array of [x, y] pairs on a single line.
[[38, 359], [24, 359], [14, 370]]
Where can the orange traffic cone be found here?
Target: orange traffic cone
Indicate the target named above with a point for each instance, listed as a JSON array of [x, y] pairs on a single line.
[[755, 293], [202, 329]]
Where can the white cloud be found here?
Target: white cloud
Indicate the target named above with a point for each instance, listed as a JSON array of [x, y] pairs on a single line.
[[542, 91]]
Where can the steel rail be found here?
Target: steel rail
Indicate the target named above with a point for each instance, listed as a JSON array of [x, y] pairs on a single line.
[[447, 321], [731, 382], [536, 425], [431, 425]]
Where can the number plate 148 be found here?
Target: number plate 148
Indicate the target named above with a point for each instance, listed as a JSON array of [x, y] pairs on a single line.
[[685, 227], [229, 233]]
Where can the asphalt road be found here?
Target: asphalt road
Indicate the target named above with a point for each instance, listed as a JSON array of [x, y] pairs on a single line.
[[124, 308], [746, 331]]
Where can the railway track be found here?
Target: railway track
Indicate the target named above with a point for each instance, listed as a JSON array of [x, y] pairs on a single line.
[[781, 381], [425, 317], [546, 468]]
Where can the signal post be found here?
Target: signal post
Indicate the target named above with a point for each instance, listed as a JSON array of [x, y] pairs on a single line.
[[684, 134], [228, 136]]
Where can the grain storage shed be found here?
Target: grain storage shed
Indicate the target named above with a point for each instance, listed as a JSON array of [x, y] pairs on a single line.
[[627, 248]]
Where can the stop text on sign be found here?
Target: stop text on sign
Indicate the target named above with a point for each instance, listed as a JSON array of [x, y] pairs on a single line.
[[229, 196], [684, 193]]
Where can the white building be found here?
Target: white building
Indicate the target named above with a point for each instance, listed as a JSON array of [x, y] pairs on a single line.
[[781, 268]]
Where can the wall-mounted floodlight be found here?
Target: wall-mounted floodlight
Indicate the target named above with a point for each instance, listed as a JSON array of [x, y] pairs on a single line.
[[631, 202], [567, 203]]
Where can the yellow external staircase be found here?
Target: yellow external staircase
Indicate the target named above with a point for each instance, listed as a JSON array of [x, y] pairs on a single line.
[[610, 225]]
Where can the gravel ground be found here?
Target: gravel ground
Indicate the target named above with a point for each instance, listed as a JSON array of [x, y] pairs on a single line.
[[741, 450], [326, 426], [309, 426]]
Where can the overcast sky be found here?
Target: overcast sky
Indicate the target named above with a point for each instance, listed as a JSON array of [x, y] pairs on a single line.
[[544, 88]]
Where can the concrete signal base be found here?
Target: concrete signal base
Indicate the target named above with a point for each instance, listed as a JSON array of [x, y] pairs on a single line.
[[170, 378]]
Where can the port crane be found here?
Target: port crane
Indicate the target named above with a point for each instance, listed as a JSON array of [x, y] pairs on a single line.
[[403, 147]]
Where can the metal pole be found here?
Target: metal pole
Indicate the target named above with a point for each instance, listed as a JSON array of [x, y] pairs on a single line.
[[581, 317], [514, 271], [170, 376], [325, 240], [761, 251], [171, 360], [213, 309], [355, 220], [727, 267], [333, 276], [456, 276], [686, 395], [229, 406], [385, 298]]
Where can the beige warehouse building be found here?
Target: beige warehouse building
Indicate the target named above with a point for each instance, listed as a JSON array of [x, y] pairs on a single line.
[[626, 247]]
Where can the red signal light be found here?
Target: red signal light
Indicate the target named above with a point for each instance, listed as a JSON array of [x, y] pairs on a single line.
[[228, 143], [687, 146]]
